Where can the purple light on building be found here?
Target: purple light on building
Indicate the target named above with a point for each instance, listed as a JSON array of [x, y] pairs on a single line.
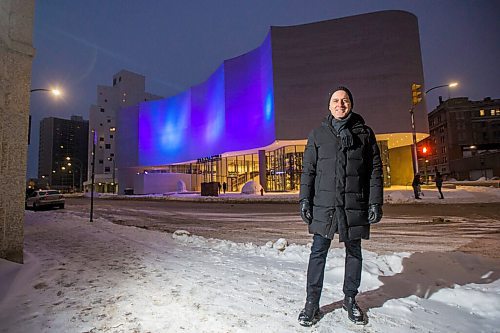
[[232, 110]]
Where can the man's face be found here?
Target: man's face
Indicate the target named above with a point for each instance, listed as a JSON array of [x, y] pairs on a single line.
[[340, 104]]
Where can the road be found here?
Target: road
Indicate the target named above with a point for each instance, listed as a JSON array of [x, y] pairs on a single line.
[[471, 228]]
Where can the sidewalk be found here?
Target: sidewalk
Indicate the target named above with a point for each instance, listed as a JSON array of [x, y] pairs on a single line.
[[102, 277]]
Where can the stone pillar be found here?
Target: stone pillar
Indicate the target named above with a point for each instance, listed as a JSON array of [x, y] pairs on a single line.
[[16, 56]]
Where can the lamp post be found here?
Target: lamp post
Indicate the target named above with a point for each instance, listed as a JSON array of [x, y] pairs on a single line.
[[80, 167], [94, 141], [56, 92], [416, 93], [449, 85]]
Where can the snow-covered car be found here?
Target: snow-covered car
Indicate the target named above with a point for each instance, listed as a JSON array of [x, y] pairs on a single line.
[[45, 198]]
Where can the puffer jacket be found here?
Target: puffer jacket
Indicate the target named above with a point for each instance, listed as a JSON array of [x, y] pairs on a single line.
[[341, 183]]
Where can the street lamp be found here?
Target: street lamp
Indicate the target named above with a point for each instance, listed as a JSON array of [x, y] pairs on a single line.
[[416, 93], [449, 85], [80, 167], [56, 92]]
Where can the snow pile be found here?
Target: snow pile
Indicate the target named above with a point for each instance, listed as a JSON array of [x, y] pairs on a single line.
[[103, 277], [251, 187]]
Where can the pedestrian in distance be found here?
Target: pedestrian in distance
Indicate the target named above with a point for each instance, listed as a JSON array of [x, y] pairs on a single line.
[[439, 184], [224, 187], [341, 192], [416, 186], [219, 186]]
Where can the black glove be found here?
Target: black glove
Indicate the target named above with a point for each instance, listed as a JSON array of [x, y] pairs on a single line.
[[374, 213], [305, 211]]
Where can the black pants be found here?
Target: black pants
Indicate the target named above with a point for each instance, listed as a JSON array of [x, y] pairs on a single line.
[[317, 262], [440, 193], [415, 191]]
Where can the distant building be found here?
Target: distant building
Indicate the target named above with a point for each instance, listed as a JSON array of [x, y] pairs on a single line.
[[464, 139], [62, 154], [250, 119], [128, 89]]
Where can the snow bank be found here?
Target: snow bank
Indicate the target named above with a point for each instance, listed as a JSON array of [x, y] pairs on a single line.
[[103, 277]]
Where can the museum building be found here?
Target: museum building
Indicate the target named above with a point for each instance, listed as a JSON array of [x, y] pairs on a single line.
[[250, 119]]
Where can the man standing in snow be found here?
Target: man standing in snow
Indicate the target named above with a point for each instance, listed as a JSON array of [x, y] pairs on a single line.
[[341, 191]]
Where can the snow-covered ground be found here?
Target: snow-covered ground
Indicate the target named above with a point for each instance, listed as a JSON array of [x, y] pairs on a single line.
[[394, 194], [102, 277]]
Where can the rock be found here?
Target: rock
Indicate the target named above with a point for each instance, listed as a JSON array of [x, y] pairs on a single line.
[[280, 244]]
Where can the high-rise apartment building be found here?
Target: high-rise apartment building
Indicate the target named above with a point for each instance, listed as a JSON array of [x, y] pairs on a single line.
[[464, 138], [62, 154], [128, 89]]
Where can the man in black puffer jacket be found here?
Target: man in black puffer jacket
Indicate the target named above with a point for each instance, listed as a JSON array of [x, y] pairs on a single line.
[[341, 191]]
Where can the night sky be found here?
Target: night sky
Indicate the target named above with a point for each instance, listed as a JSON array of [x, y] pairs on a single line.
[[176, 44]]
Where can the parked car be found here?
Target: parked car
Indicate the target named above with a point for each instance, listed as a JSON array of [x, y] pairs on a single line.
[[45, 198]]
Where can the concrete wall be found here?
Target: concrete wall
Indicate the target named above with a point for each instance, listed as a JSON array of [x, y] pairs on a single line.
[[16, 56], [160, 182], [376, 55]]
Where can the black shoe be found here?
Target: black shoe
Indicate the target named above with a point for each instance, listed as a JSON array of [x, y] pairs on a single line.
[[354, 312], [310, 315]]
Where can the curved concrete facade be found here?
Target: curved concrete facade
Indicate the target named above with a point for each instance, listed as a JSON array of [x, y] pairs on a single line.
[[376, 55]]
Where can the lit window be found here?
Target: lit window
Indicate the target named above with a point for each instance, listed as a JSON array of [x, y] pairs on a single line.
[[498, 112], [492, 112], [112, 129], [481, 113]]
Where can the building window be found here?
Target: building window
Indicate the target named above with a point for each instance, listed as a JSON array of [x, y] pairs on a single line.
[[112, 154], [498, 112], [111, 136], [109, 120], [101, 161], [481, 113], [107, 169], [492, 112], [102, 109], [443, 150], [108, 146], [112, 129], [101, 139]]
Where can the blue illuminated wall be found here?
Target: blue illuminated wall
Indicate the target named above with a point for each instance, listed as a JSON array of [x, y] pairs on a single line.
[[233, 110]]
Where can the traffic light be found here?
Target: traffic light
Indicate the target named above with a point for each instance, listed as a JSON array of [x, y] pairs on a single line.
[[423, 151], [416, 93]]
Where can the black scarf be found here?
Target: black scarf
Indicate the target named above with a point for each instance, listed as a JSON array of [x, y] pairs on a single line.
[[340, 125]]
